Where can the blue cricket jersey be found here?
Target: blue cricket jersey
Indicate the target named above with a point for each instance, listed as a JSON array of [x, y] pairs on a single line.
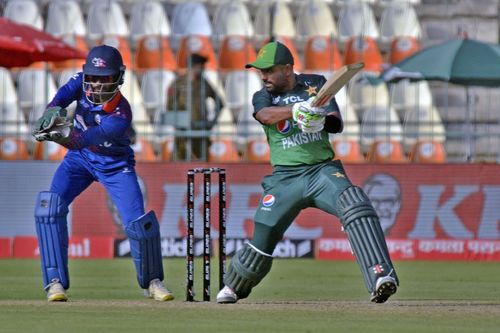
[[101, 133]]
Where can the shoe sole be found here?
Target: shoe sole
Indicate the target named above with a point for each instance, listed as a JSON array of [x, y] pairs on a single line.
[[384, 291], [58, 298], [226, 300], [165, 298]]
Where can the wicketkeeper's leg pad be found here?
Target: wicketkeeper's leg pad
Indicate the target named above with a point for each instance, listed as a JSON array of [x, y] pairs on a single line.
[[52, 232], [248, 267], [145, 247], [361, 223]]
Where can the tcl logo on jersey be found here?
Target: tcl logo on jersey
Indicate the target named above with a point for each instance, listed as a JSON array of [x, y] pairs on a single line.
[[268, 200], [284, 126]]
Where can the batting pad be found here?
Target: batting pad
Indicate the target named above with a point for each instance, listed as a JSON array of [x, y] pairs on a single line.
[[52, 232], [248, 267], [365, 235], [145, 246]]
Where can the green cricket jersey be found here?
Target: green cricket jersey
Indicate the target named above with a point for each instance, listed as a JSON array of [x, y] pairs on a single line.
[[288, 144]]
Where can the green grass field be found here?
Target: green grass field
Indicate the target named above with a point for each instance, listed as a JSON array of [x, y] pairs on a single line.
[[296, 296]]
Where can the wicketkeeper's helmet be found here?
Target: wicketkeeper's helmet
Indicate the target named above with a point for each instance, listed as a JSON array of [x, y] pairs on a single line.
[[103, 74]]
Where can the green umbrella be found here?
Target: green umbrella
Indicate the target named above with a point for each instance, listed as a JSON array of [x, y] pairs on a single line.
[[460, 61], [464, 62]]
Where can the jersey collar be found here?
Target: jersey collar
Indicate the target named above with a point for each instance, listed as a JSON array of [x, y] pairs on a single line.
[[111, 105]]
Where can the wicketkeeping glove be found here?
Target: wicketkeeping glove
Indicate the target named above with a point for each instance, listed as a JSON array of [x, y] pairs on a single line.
[[47, 119], [53, 125], [308, 118]]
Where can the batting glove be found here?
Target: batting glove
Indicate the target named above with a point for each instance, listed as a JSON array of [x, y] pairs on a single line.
[[307, 121]]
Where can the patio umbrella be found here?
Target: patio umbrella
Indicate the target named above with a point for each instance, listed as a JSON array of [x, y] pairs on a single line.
[[464, 62], [22, 45]]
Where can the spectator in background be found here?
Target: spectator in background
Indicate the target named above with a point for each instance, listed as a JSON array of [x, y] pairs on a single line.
[[197, 106]]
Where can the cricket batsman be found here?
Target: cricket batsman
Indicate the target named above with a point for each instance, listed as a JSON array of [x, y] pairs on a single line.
[[304, 175], [98, 140]]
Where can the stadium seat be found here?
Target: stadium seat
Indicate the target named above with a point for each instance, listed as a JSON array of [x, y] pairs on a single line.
[[406, 95], [48, 150], [198, 44], [12, 119], [143, 150], [106, 18], [349, 116], [356, 19], [35, 89], [148, 18], [364, 95], [65, 18], [402, 47], [282, 20], [315, 18], [223, 147], [235, 52], [167, 148], [428, 152], [239, 89], [348, 151], [132, 91], [363, 49], [257, 150], [24, 12], [154, 52], [321, 54], [78, 42], [121, 43], [154, 87], [12, 148], [189, 19], [399, 19], [380, 124], [223, 150], [422, 123], [231, 18], [386, 151]]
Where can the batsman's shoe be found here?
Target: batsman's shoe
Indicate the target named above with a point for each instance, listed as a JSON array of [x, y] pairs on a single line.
[[227, 295], [56, 292], [386, 287], [158, 292]]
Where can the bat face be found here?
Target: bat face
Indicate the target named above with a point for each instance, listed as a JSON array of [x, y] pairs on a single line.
[[335, 83]]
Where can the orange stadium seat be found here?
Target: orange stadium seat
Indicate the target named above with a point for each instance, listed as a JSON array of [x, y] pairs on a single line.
[[321, 53], [154, 52], [12, 148], [257, 150], [48, 150], [167, 149], [348, 151], [223, 149], [402, 47], [363, 49], [386, 151], [196, 44], [143, 149], [77, 42], [122, 44], [428, 152], [235, 52]]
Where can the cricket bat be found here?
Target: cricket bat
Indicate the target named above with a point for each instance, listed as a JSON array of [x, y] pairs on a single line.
[[336, 82]]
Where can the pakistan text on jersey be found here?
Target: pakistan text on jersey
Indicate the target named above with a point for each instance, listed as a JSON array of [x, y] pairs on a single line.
[[300, 139]]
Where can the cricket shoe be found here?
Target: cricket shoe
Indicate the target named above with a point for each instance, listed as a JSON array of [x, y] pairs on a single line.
[[226, 295], [158, 292], [56, 292], [386, 287]]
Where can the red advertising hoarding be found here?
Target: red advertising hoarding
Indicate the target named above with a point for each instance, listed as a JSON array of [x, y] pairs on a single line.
[[448, 211]]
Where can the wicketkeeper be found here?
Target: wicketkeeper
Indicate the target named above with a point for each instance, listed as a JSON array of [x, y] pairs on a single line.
[[304, 175], [98, 140]]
